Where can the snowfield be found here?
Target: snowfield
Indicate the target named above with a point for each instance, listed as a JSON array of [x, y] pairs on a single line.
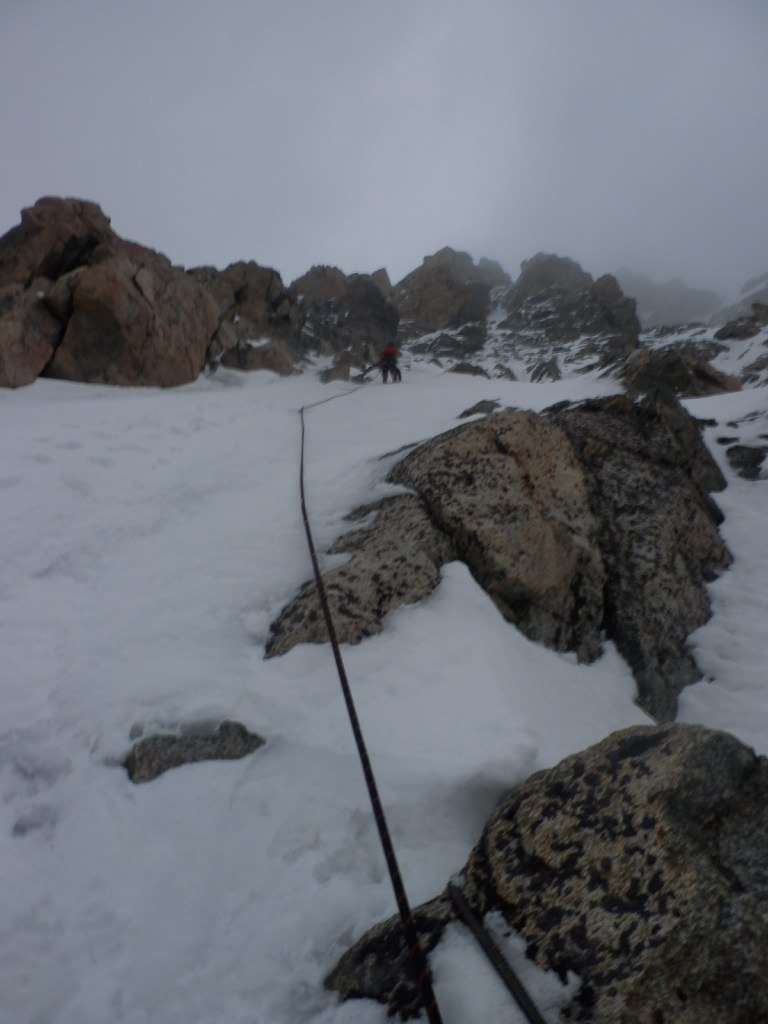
[[149, 539]]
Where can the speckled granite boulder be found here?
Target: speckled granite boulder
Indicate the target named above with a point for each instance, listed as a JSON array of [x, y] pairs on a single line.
[[395, 560], [154, 755], [588, 521], [510, 494], [640, 864], [649, 476]]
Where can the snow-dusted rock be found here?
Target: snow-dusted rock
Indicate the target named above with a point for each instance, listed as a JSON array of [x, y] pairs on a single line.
[[638, 864], [554, 320], [394, 560], [674, 370], [592, 520], [747, 459], [153, 755], [352, 316], [649, 476], [250, 296], [447, 290], [553, 296]]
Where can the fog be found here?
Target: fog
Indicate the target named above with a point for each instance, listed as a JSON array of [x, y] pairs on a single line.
[[297, 132]]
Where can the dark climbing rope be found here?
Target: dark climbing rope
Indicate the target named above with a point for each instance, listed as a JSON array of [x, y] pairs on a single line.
[[491, 949], [416, 953]]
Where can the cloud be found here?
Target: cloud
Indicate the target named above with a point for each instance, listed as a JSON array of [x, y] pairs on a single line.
[[365, 135]]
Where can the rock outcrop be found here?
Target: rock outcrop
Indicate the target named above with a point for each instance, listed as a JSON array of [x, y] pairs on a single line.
[[590, 520], [748, 459], [674, 370], [515, 503], [649, 476], [448, 290], [80, 303], [254, 310], [350, 317], [153, 755], [555, 298], [553, 320], [394, 560], [638, 864]]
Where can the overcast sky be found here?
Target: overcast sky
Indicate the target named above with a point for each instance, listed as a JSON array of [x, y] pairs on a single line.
[[369, 133]]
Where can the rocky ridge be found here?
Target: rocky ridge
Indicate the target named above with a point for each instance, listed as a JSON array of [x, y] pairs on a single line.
[[77, 301]]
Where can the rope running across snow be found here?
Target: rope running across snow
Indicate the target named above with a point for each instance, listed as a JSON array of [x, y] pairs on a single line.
[[418, 958], [497, 959]]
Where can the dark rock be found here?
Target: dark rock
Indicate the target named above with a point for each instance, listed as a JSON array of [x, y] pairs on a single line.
[[469, 369], [154, 755], [649, 475], [395, 560], [335, 313], [747, 460], [546, 272], [29, 333], [253, 307], [54, 236], [674, 371], [484, 408], [756, 372], [557, 320], [545, 370], [270, 355], [744, 327], [459, 344], [638, 864]]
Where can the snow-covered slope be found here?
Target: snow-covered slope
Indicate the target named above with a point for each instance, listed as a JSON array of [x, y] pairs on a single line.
[[149, 539]]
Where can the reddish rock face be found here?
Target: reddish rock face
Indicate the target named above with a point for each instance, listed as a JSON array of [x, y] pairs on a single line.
[[133, 322], [29, 334], [446, 291], [80, 303]]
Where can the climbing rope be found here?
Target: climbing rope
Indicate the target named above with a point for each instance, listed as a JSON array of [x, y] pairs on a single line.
[[491, 949], [416, 953]]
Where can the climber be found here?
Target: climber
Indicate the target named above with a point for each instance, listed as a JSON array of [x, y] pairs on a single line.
[[388, 364]]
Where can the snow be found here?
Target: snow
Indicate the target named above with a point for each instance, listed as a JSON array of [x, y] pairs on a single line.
[[150, 537]]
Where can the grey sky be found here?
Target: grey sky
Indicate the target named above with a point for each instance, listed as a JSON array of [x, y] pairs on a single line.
[[366, 134]]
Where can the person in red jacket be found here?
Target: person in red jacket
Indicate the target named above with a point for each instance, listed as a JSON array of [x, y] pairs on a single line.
[[388, 364]]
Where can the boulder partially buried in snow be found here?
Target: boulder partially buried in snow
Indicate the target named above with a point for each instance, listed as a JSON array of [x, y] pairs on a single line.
[[639, 865], [153, 755], [394, 559], [590, 521], [511, 496]]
